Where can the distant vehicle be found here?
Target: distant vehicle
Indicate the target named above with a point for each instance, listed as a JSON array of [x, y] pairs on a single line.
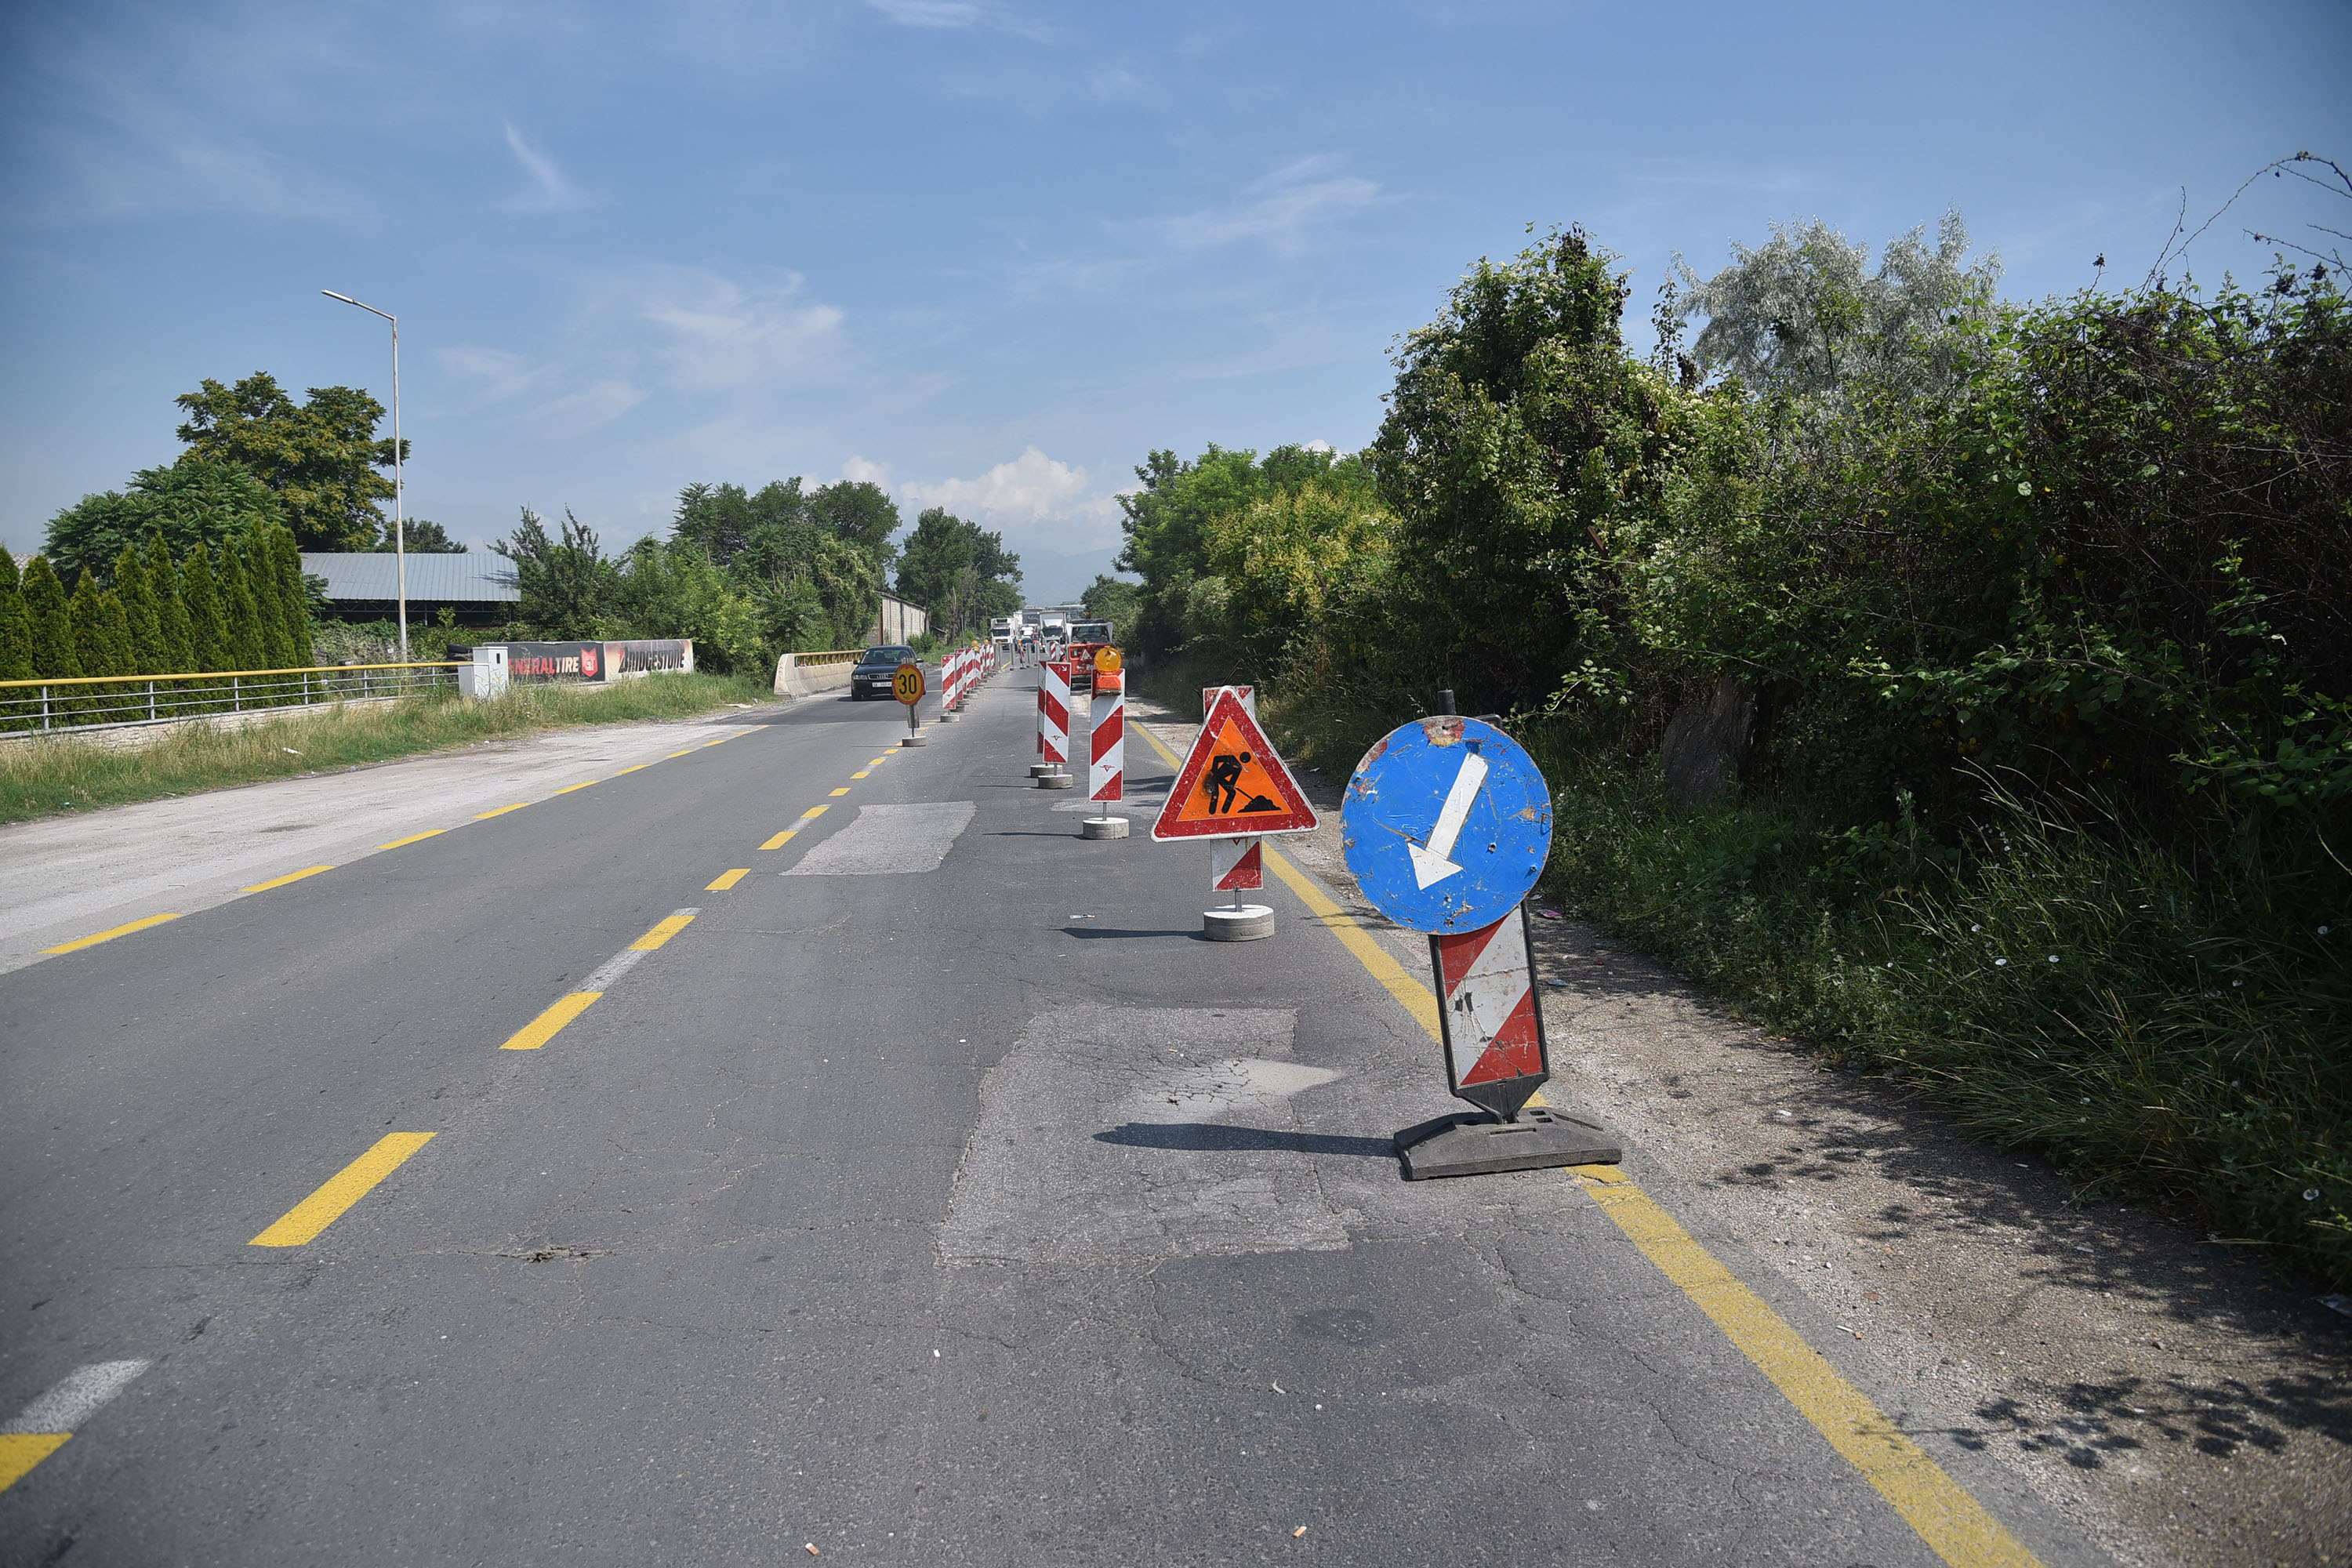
[[1004, 630], [874, 667], [1085, 637]]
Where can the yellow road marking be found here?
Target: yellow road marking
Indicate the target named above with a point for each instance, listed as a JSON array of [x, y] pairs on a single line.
[[813, 811], [633, 769], [843, 790], [687, 752], [779, 840], [663, 933], [414, 838], [567, 789], [883, 758], [1947, 1517], [486, 816], [728, 879], [1954, 1525], [862, 774], [344, 1188], [289, 877], [543, 1028], [20, 1451], [720, 741], [82, 942]]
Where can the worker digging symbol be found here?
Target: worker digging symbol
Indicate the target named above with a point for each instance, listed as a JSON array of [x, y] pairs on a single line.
[[1224, 777]]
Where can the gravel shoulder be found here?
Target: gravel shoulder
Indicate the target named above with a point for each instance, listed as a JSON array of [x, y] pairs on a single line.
[[2174, 1399]]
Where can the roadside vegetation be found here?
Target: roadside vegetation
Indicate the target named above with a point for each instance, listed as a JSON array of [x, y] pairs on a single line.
[[2032, 622], [43, 776]]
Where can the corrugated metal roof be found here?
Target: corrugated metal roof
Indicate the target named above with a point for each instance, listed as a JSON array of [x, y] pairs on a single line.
[[476, 577]]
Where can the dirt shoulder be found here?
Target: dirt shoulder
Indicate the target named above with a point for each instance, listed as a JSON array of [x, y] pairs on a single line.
[[2174, 1399]]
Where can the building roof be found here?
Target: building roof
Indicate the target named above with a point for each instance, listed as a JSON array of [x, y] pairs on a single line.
[[476, 577]]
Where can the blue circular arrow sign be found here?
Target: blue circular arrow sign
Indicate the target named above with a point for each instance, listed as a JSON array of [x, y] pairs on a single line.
[[1446, 824]]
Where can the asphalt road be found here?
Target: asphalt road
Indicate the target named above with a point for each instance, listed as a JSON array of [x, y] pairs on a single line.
[[932, 1194]]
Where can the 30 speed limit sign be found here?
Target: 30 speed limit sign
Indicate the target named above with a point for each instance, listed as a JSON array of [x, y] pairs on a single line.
[[907, 685]]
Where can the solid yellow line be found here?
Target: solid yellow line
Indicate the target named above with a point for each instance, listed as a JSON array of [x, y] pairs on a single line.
[[812, 811], [567, 789], [685, 753], [1952, 1523], [20, 1451], [414, 838], [541, 1029], [843, 790], [728, 879], [82, 942], [289, 877], [486, 816], [344, 1188], [778, 841], [720, 741], [1947, 1517], [663, 933], [633, 769]]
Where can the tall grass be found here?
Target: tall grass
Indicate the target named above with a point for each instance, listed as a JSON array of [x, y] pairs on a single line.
[[2146, 1018], [42, 775]]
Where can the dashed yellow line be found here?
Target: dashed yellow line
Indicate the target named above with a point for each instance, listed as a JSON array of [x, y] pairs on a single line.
[[688, 753], [862, 774], [347, 1186], [779, 841], [728, 879], [661, 932], [633, 769], [486, 816], [584, 783], [414, 839], [1954, 1525], [543, 1028], [110, 934], [841, 791], [814, 811], [289, 877]]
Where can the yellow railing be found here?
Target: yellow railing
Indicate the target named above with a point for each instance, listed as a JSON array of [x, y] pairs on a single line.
[[835, 656], [112, 702]]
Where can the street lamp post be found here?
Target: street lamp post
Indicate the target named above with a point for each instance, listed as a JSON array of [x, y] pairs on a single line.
[[399, 499]]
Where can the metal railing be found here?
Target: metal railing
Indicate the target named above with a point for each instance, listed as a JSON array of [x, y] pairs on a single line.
[[836, 656], [117, 702]]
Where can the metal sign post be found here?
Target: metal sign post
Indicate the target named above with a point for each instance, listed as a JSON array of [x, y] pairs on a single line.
[[1446, 827], [907, 686]]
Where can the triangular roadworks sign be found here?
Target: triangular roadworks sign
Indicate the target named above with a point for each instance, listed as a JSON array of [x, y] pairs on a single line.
[[1233, 784]]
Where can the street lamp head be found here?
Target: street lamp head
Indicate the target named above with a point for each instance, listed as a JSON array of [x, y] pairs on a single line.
[[346, 299]]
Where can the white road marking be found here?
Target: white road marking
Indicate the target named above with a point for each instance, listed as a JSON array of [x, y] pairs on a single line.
[[887, 840], [76, 1398]]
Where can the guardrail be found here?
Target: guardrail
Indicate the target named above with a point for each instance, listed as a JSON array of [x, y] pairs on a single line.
[[122, 701], [837, 656]]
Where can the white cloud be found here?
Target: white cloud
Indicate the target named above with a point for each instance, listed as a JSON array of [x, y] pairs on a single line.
[[1280, 209], [500, 375], [555, 194], [724, 336], [1030, 489], [857, 470], [599, 403]]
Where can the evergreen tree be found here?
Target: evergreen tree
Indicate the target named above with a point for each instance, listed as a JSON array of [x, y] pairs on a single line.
[[201, 606], [47, 622], [137, 592], [171, 616], [16, 640], [240, 632], [293, 596], [270, 641]]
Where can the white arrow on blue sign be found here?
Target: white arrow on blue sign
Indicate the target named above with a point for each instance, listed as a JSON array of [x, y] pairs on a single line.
[[1446, 825]]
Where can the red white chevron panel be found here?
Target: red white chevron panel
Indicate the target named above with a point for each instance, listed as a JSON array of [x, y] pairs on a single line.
[[1107, 746], [1053, 709], [1490, 1005]]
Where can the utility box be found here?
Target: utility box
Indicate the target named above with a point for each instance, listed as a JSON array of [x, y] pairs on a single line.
[[487, 675]]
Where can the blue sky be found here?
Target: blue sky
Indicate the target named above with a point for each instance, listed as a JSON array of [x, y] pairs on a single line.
[[992, 254]]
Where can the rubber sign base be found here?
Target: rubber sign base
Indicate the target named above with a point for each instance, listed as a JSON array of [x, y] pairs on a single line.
[[1468, 1143]]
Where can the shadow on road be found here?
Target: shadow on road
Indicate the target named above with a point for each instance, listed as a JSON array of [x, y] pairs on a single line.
[[1213, 1136]]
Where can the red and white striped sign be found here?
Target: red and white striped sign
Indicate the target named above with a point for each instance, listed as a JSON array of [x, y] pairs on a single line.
[[1107, 746], [1494, 1031], [1236, 865], [1053, 709]]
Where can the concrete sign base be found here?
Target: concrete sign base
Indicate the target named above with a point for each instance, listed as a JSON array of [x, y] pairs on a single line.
[[914, 740], [1471, 1144], [1103, 828], [1039, 770], [1243, 922]]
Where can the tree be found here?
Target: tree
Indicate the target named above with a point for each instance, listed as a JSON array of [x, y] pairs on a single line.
[[272, 640], [1802, 313], [189, 502], [1108, 599], [171, 616], [761, 534], [320, 459], [944, 566], [293, 596], [425, 537], [240, 617], [102, 637], [142, 611], [564, 583], [15, 636], [209, 648], [859, 512], [47, 622]]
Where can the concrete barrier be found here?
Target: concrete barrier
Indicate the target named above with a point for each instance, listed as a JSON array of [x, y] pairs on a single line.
[[811, 674]]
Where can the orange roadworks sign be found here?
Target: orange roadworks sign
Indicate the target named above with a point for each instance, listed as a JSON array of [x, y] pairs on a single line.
[[1106, 661], [1232, 786]]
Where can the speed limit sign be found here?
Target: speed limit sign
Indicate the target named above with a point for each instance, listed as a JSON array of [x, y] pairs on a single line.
[[907, 685]]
